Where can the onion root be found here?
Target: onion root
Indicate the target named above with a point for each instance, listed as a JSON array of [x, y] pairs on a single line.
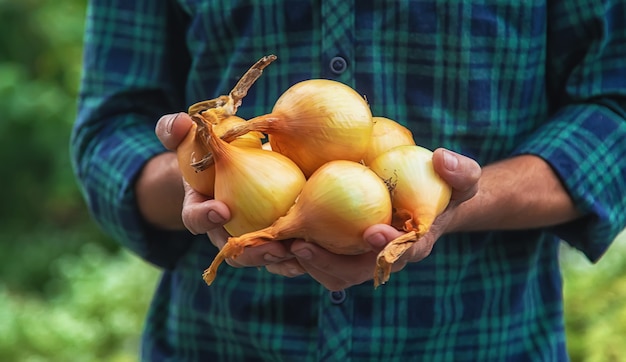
[[232, 249]]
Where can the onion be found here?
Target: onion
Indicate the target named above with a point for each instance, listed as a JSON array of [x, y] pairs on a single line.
[[338, 202], [257, 185], [418, 196], [192, 151], [386, 134], [194, 158], [313, 122]]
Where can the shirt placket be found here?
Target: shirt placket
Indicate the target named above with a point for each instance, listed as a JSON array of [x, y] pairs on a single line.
[[338, 40], [335, 326], [337, 59]]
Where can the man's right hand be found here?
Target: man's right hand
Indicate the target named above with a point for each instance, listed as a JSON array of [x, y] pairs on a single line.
[[201, 214]]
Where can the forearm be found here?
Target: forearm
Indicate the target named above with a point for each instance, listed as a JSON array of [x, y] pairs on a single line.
[[518, 193], [159, 190]]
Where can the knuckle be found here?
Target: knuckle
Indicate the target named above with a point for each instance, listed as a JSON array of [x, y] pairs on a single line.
[[283, 270], [189, 221]]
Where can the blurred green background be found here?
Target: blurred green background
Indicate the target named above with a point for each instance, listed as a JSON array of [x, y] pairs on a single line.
[[68, 292]]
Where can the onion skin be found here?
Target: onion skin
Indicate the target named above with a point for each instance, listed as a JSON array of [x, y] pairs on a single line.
[[338, 202], [315, 121], [346, 129], [386, 134], [192, 149], [418, 196], [257, 185], [188, 152]]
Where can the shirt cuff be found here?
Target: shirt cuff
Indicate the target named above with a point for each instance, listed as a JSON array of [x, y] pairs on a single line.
[[584, 144], [108, 181]]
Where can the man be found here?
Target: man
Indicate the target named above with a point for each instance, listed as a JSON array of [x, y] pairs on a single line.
[[532, 92]]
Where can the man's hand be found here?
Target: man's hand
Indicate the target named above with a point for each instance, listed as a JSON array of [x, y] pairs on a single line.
[[202, 215], [337, 272]]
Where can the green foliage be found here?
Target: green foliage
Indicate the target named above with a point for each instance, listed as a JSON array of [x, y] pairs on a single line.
[[595, 311], [39, 72], [91, 309], [67, 292]]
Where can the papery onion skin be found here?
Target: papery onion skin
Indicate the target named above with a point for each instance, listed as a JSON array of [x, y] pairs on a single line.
[[192, 150], [257, 185], [338, 202], [188, 152], [386, 134]]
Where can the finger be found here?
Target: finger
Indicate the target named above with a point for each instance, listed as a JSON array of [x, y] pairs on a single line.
[[262, 255], [419, 251], [422, 248], [218, 236], [201, 214], [379, 235], [334, 271], [460, 172], [171, 129], [288, 268]]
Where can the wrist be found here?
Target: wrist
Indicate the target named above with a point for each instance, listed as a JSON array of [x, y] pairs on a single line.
[[519, 193], [159, 191]]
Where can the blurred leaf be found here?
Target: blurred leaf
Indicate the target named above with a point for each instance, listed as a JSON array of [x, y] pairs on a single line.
[[595, 311], [93, 311], [40, 62]]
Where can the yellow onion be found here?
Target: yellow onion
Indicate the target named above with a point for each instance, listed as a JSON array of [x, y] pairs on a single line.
[[313, 122], [338, 202], [257, 185], [194, 158], [192, 151], [386, 134], [418, 196]]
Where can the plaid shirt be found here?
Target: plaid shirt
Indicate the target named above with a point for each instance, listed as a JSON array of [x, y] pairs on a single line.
[[489, 79]]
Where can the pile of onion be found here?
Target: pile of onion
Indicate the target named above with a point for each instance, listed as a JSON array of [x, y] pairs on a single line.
[[329, 171], [338, 202]]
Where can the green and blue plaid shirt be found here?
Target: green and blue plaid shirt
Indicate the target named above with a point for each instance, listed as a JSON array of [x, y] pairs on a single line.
[[489, 79]]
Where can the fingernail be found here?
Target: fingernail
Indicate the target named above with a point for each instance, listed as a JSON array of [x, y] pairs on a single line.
[[294, 272], [450, 161], [303, 253], [271, 258], [215, 218], [170, 123], [377, 240]]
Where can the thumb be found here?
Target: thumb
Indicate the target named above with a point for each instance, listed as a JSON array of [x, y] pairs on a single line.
[[379, 235], [171, 129], [460, 172]]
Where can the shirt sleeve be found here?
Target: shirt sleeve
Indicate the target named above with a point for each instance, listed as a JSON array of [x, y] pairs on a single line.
[[132, 70], [585, 139]]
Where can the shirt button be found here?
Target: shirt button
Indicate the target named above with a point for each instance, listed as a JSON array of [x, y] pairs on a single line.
[[337, 297], [338, 65]]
